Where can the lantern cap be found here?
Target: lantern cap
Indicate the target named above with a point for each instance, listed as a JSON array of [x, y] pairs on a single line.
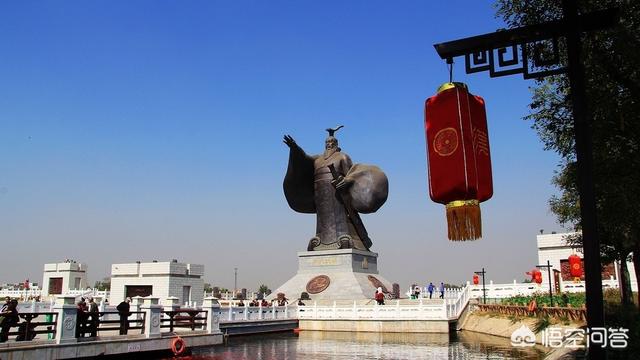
[[451, 85]]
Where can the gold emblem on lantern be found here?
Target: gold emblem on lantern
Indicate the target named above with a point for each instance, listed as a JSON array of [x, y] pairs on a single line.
[[445, 142]]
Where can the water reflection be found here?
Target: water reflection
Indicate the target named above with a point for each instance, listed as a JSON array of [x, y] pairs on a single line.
[[315, 345]]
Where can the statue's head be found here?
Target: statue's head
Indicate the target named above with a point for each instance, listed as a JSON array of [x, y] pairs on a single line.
[[330, 146], [331, 143]]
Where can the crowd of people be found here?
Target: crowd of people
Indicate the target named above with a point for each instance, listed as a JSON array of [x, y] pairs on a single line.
[[279, 301], [88, 318], [430, 289], [415, 293]]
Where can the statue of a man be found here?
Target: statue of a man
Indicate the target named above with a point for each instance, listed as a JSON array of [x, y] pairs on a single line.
[[330, 186]]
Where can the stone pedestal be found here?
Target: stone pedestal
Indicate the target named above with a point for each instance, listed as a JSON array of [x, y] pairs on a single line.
[[153, 316], [344, 274], [67, 317]]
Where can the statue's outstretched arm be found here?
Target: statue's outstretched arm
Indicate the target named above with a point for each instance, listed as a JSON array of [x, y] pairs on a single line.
[[298, 182], [288, 140]]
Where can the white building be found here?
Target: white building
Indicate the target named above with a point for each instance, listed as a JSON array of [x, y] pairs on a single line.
[[61, 277], [159, 279], [554, 248]]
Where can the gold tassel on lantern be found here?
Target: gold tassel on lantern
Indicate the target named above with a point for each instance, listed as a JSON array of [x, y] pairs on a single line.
[[463, 220]]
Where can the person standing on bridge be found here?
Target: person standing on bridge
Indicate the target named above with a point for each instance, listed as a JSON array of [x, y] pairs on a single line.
[[95, 317], [123, 311], [81, 318], [379, 296], [430, 289], [8, 318], [441, 290]]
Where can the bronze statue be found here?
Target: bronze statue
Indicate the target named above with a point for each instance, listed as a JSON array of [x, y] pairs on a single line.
[[330, 186]]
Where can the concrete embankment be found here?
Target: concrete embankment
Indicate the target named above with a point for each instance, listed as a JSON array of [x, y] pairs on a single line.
[[496, 325], [501, 325], [380, 326]]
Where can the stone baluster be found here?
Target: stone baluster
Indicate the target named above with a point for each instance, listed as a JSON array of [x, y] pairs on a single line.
[[246, 311], [260, 315], [153, 315], [67, 316], [444, 304], [212, 306], [273, 310], [171, 303]]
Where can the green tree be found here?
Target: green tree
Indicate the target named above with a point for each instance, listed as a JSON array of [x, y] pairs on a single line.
[[103, 285], [613, 89], [264, 289]]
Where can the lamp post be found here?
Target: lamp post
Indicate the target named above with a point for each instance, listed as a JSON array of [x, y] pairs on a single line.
[[534, 52], [235, 281], [484, 292], [548, 266]]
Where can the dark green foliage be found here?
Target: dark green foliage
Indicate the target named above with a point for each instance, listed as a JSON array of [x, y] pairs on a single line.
[[103, 285], [576, 300], [612, 73], [264, 289]]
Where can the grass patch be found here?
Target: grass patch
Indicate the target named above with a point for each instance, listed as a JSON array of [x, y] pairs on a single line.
[[542, 323]]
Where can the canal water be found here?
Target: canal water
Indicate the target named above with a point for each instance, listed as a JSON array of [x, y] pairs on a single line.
[[312, 345]]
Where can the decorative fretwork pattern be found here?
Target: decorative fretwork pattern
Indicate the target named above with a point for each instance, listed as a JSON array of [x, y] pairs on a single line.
[[533, 60]]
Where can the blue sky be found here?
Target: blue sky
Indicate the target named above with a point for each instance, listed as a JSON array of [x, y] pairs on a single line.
[[141, 130]]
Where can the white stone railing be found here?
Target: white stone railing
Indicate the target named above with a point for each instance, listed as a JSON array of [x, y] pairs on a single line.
[[449, 293], [21, 294], [436, 309], [89, 292], [455, 307], [502, 291], [27, 294], [253, 313], [420, 311]]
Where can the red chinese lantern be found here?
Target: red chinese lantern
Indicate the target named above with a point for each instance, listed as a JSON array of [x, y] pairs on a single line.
[[476, 279], [459, 158], [536, 276], [575, 266]]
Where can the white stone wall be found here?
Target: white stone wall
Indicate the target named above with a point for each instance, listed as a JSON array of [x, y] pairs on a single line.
[[166, 278], [69, 272], [553, 247]]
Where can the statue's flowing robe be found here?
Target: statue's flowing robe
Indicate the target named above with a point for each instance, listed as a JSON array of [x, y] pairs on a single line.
[[308, 189]]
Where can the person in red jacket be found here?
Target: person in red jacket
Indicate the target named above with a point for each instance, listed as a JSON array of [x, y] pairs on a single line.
[[379, 296]]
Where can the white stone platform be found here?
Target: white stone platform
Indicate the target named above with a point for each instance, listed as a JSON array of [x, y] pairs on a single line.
[[350, 273]]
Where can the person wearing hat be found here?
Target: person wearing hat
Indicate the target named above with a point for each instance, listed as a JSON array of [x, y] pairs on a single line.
[[336, 190]]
